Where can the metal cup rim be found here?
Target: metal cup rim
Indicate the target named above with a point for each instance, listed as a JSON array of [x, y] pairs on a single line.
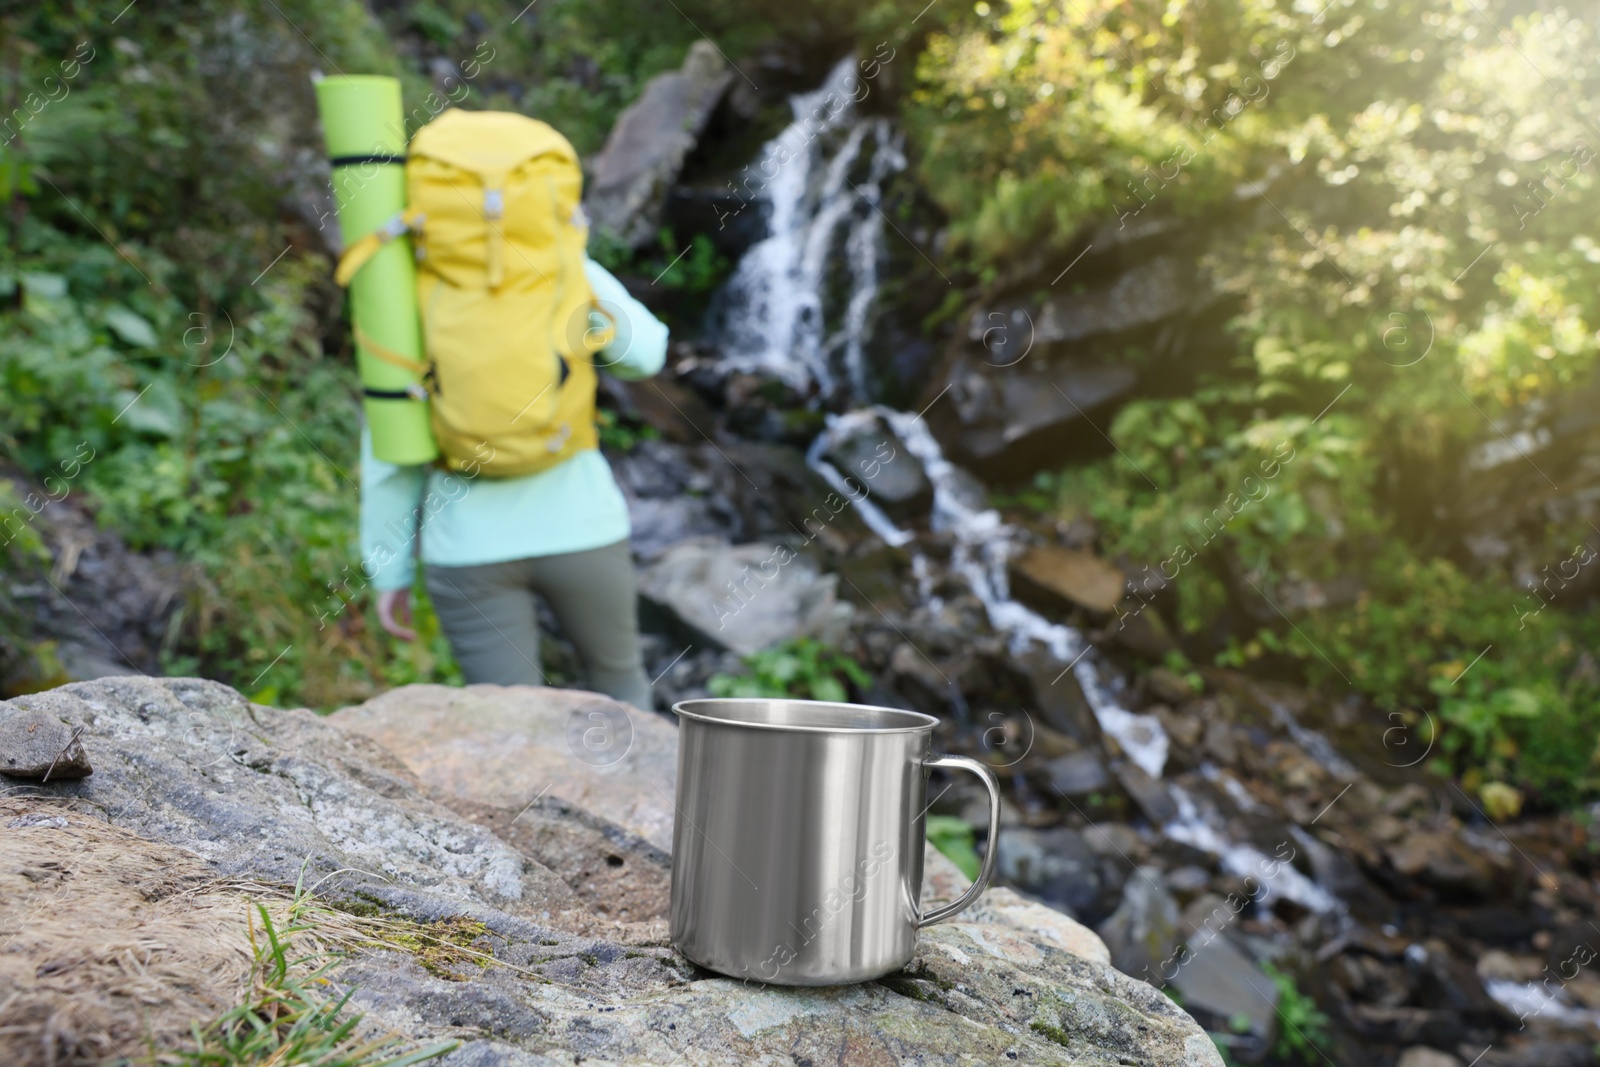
[[920, 722]]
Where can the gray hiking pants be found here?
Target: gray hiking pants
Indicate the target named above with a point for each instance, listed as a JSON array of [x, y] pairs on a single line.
[[489, 614]]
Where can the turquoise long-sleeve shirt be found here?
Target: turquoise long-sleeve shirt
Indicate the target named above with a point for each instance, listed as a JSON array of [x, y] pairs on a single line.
[[571, 507]]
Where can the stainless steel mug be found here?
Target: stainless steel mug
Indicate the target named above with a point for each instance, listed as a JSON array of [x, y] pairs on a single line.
[[797, 846]]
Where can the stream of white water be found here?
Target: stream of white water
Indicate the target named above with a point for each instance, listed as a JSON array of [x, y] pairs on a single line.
[[780, 314]]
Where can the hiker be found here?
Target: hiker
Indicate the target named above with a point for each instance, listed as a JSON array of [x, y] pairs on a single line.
[[490, 544], [517, 321]]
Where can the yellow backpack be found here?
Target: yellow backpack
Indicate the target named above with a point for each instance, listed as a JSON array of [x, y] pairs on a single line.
[[493, 209]]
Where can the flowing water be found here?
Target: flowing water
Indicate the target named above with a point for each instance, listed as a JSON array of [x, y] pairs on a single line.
[[798, 302], [798, 307]]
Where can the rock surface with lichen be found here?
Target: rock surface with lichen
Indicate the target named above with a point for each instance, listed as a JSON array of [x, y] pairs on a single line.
[[572, 904]]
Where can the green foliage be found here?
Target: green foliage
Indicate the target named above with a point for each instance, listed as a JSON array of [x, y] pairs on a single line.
[[28, 662], [1302, 1029], [1038, 116], [1196, 476], [1176, 662], [618, 433], [1510, 693], [694, 268], [955, 838], [435, 23], [288, 1017], [800, 667], [1392, 148]]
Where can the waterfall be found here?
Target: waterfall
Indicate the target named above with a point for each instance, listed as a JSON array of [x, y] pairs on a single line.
[[779, 315], [820, 184]]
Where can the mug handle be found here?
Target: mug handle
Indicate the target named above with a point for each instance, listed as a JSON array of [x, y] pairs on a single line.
[[986, 872]]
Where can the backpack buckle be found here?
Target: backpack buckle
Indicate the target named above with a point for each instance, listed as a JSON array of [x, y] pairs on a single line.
[[494, 203], [559, 441]]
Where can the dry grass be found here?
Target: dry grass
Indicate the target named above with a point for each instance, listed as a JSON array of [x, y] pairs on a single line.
[[114, 947], [108, 943]]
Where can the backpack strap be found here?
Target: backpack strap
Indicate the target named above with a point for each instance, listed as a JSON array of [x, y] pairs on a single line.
[[390, 356], [356, 256]]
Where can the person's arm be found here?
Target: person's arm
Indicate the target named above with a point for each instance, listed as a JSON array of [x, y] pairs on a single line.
[[390, 512], [640, 346]]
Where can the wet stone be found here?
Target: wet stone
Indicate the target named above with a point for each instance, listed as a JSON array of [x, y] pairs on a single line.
[[1150, 794], [1078, 774]]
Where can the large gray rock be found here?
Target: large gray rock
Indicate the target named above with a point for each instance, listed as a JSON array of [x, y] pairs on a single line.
[[504, 746], [1030, 372], [1143, 931], [1140, 296], [1078, 774], [743, 597], [1147, 294], [258, 794], [1217, 978], [646, 148], [1009, 418]]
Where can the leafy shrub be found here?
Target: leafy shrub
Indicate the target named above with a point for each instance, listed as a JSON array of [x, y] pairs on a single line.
[[619, 433], [800, 667], [1302, 1029], [1413, 279]]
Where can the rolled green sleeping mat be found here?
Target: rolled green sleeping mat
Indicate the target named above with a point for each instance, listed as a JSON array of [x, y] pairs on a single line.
[[365, 134]]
